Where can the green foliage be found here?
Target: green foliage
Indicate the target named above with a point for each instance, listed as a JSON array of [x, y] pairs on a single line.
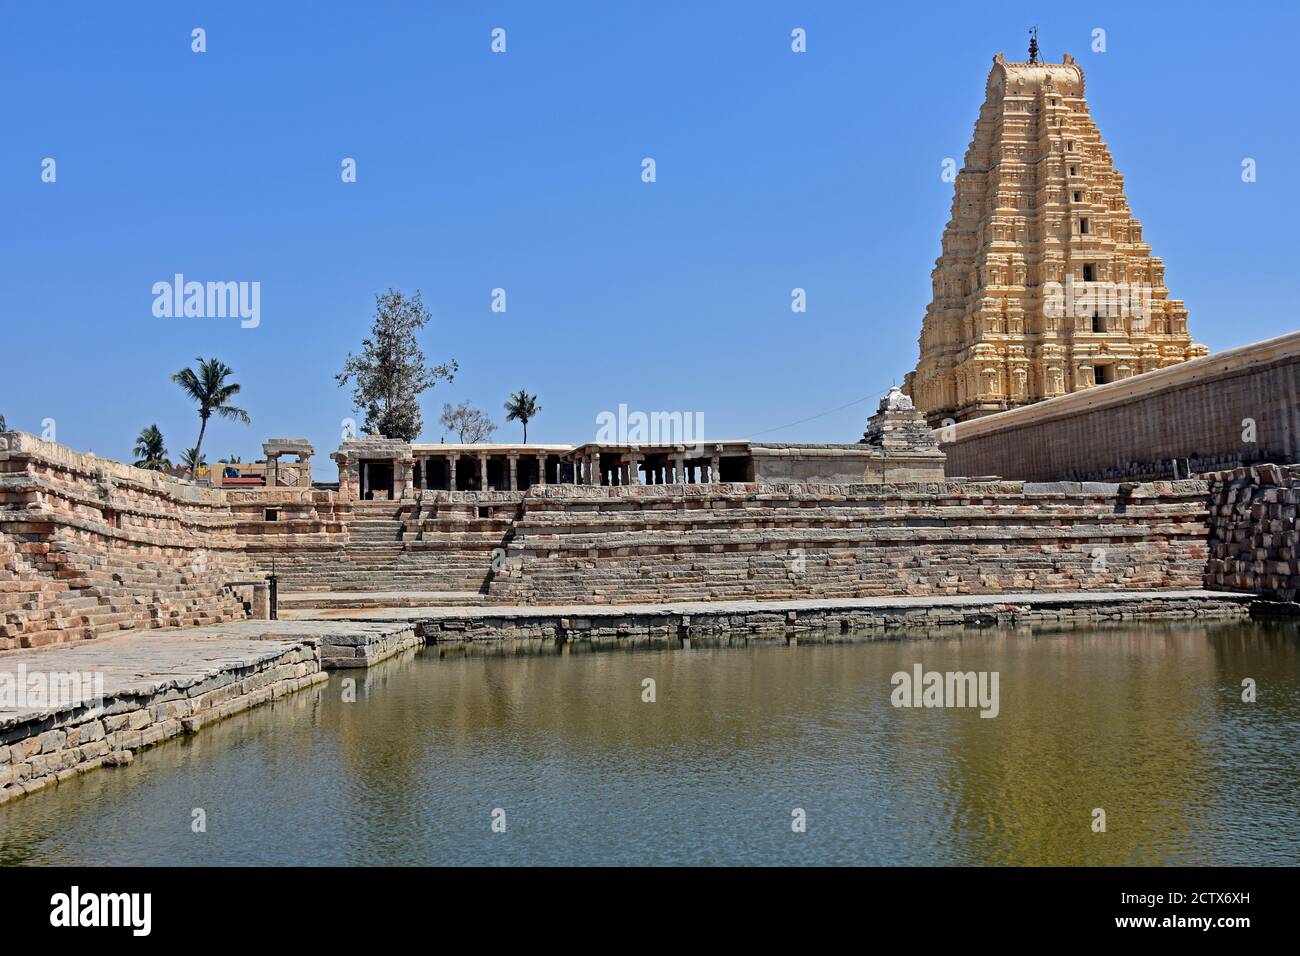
[[522, 407], [207, 387], [193, 461], [391, 372], [150, 450]]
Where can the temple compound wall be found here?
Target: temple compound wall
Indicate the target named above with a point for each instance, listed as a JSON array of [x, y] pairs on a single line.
[[90, 546], [1240, 406]]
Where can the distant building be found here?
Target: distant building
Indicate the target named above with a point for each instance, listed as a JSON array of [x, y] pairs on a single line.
[[1044, 285], [897, 447]]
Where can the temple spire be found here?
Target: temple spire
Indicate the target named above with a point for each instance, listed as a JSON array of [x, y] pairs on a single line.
[[1033, 44], [1038, 211]]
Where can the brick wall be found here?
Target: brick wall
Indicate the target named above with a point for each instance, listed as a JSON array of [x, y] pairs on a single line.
[[1192, 412], [89, 547], [745, 541]]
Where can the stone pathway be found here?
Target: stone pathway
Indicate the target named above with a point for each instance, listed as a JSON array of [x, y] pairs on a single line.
[[146, 662], [1036, 599], [143, 663]]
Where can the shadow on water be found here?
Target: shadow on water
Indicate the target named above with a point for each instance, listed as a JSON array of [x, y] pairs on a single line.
[[407, 763]]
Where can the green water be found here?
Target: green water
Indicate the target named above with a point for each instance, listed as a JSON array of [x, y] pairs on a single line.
[[1143, 721]]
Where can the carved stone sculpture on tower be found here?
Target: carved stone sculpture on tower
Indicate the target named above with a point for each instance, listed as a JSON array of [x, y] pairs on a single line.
[[1044, 284]]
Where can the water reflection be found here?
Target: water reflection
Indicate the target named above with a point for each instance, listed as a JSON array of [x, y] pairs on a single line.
[[1145, 722]]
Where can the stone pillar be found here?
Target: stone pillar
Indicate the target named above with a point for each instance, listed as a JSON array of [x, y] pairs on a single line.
[[404, 478], [715, 469], [482, 473], [349, 476], [678, 466], [541, 470], [272, 470], [261, 602], [451, 472], [633, 472], [365, 479], [593, 469], [514, 472]]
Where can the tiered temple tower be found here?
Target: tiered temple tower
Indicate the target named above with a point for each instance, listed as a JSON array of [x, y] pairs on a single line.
[[1045, 285]]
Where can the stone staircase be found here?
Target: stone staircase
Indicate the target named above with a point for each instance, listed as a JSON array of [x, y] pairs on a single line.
[[397, 554], [67, 585], [738, 542]]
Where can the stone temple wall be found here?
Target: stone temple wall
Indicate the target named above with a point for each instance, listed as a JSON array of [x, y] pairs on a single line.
[[1253, 532], [90, 546], [745, 541], [1236, 407]]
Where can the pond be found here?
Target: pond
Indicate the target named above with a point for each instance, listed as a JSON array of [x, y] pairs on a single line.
[[761, 752]]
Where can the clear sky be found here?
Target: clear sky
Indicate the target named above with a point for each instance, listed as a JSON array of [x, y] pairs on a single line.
[[522, 171]]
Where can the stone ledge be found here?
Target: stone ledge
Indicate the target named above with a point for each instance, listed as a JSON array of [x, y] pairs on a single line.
[[154, 689]]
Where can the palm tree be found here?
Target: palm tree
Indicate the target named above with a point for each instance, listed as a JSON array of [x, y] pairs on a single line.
[[150, 450], [522, 407], [209, 389], [193, 460], [2, 424]]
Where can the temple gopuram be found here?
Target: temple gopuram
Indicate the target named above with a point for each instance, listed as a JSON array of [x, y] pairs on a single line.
[[1045, 285]]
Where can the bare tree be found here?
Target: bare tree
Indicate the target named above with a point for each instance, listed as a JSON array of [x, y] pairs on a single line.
[[470, 424]]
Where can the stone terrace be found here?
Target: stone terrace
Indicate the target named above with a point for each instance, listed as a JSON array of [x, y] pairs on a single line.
[[89, 547], [578, 545]]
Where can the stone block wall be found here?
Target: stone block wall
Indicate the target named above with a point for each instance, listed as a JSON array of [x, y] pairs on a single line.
[[90, 546], [1254, 544], [747, 541], [1236, 407], [47, 746]]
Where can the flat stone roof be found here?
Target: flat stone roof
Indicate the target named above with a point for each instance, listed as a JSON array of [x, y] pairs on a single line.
[[495, 448]]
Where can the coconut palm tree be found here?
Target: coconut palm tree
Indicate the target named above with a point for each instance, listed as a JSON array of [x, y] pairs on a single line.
[[2, 424], [193, 461], [522, 407], [150, 450], [208, 387]]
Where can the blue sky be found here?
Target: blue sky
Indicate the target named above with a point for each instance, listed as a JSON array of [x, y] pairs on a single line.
[[522, 171]]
